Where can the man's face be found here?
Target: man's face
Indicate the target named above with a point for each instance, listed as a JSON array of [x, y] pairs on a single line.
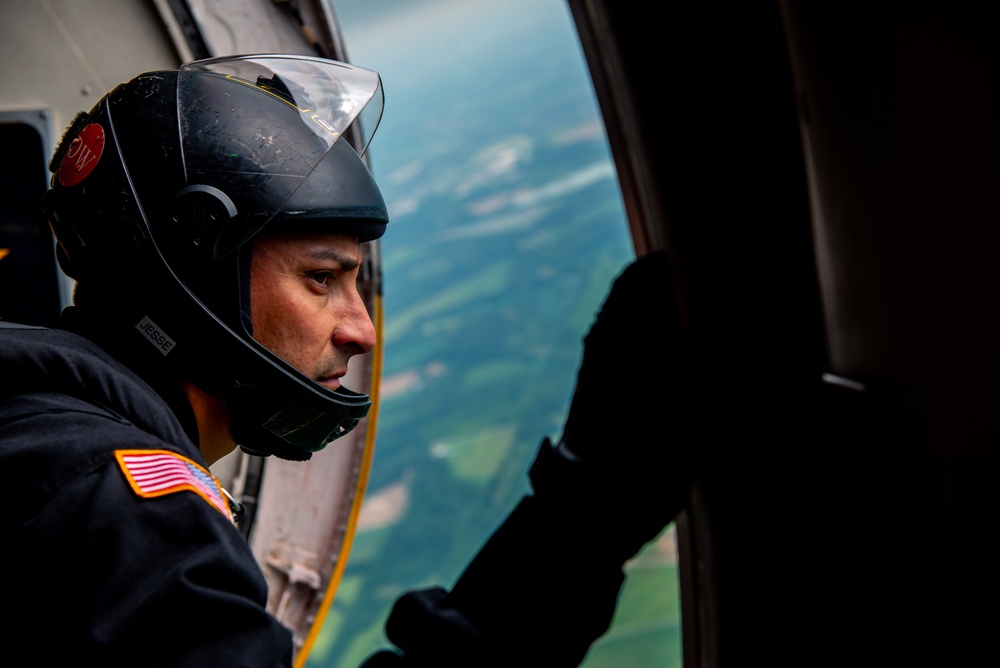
[[305, 304]]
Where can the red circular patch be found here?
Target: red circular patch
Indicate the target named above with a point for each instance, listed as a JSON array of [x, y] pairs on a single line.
[[82, 155]]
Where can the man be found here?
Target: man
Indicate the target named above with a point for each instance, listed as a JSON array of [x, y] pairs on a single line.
[[215, 218]]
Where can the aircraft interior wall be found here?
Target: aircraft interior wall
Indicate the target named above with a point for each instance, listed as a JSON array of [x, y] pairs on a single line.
[[824, 177]]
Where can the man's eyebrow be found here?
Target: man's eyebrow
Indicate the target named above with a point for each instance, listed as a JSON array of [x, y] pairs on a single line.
[[347, 261]]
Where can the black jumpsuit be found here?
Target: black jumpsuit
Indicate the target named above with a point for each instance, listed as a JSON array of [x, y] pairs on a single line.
[[118, 547]]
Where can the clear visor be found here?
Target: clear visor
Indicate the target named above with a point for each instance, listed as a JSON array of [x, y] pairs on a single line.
[[262, 125]]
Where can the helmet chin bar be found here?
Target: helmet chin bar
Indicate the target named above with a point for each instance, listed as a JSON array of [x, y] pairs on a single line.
[[304, 421], [259, 439]]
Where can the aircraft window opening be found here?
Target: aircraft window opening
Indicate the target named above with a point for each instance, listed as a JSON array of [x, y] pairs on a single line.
[[507, 227]]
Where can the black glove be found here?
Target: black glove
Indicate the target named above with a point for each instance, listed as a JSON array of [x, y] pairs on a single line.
[[545, 585], [631, 445]]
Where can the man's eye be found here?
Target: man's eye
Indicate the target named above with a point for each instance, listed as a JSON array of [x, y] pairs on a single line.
[[322, 277]]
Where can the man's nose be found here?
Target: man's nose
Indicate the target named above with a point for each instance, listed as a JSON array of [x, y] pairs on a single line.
[[356, 331]]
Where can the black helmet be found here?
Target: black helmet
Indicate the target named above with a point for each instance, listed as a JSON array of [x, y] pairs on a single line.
[[169, 176]]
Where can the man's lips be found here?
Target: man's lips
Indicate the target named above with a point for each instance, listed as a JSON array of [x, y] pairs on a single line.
[[331, 382]]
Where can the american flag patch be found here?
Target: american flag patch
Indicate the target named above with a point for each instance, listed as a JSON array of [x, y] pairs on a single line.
[[153, 473]]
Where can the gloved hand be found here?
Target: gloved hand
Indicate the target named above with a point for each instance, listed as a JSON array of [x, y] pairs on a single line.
[[545, 585], [631, 443]]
